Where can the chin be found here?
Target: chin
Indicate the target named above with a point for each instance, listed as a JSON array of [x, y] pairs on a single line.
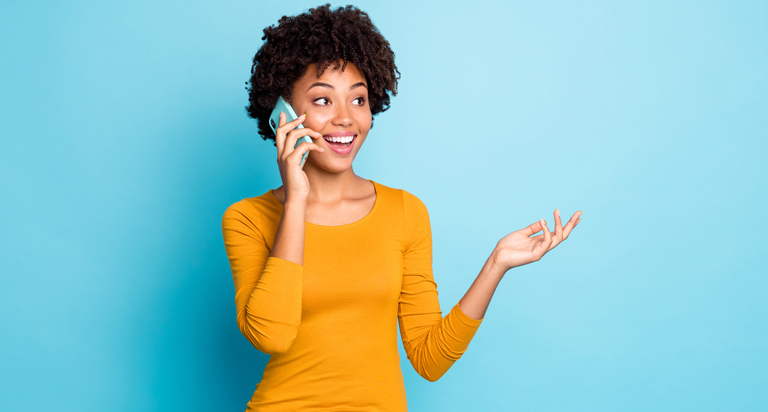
[[335, 166]]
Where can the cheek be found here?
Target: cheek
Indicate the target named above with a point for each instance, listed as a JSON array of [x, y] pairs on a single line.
[[316, 120], [364, 122]]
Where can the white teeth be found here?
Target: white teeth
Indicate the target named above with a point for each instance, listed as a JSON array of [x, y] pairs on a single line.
[[344, 139]]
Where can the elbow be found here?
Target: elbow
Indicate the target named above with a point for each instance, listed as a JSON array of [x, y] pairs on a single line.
[[270, 337], [428, 371], [432, 377], [272, 347], [430, 361]]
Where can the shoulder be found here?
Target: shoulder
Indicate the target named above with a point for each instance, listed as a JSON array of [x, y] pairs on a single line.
[[409, 203], [251, 209], [412, 200], [412, 212]]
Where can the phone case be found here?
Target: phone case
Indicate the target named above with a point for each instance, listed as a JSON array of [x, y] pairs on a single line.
[[290, 115]]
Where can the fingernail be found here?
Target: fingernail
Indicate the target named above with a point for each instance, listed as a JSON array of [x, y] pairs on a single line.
[[304, 115], [557, 211], [578, 220], [545, 222]]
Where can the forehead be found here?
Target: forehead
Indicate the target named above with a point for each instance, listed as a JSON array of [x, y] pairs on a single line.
[[333, 75]]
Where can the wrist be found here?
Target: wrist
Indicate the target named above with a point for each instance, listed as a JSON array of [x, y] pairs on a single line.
[[295, 211], [497, 267], [296, 202]]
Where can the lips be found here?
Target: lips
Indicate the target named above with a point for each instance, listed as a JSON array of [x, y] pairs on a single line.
[[340, 147]]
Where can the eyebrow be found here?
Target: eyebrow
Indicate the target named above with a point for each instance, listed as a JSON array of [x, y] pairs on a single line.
[[318, 84]]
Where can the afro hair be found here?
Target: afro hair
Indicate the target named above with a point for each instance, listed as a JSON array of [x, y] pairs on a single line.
[[324, 37]]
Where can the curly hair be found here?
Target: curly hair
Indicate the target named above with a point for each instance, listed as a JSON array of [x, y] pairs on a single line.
[[324, 37]]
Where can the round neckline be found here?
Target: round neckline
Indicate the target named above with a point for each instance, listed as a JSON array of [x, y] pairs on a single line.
[[364, 218]]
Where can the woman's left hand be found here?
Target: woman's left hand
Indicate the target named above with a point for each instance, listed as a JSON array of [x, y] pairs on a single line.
[[519, 248]]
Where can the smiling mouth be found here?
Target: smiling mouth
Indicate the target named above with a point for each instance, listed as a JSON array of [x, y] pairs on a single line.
[[339, 141]]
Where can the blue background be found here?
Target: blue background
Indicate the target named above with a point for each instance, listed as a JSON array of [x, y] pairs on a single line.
[[124, 138]]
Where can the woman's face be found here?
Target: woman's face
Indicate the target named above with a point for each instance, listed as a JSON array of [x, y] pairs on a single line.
[[337, 107]]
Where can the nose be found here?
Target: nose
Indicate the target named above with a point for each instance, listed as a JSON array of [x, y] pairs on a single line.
[[342, 116]]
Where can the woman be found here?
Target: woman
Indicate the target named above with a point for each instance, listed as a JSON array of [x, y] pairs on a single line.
[[324, 264]]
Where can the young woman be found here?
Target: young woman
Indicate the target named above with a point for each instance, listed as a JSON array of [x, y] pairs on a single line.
[[324, 264]]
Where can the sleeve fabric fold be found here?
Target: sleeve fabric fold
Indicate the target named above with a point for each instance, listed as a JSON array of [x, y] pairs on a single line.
[[268, 290], [432, 342]]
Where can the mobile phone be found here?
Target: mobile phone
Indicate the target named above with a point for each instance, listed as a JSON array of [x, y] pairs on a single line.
[[290, 115]]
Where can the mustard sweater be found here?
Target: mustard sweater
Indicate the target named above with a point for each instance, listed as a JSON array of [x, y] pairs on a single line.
[[329, 324]]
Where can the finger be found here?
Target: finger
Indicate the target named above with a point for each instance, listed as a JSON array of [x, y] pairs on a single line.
[[530, 230], [547, 241], [294, 135], [278, 139], [571, 224], [558, 226], [284, 129], [542, 241], [287, 127], [297, 154]]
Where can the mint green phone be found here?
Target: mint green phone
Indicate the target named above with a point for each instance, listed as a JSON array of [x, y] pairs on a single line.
[[290, 115]]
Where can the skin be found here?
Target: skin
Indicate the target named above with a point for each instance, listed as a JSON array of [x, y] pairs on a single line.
[[328, 192], [335, 102]]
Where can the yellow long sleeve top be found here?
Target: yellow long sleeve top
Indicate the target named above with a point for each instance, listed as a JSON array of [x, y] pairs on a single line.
[[329, 324]]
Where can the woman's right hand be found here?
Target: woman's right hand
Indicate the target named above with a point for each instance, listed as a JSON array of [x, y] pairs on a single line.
[[295, 181]]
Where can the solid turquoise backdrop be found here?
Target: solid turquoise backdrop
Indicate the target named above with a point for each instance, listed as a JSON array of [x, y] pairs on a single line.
[[123, 138]]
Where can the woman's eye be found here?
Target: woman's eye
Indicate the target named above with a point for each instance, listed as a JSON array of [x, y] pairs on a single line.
[[359, 101], [321, 101]]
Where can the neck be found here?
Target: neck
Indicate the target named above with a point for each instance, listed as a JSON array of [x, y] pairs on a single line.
[[329, 187]]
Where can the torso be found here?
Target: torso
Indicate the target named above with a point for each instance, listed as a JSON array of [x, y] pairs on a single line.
[[350, 285], [346, 211]]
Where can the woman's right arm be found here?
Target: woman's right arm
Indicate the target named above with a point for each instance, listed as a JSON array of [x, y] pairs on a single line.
[[289, 241], [268, 286]]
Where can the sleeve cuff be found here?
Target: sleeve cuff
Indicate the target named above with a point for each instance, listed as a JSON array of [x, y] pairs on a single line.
[[284, 265], [466, 319], [279, 291]]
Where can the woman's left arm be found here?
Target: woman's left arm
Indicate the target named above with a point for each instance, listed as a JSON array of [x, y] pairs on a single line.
[[516, 249], [433, 342]]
